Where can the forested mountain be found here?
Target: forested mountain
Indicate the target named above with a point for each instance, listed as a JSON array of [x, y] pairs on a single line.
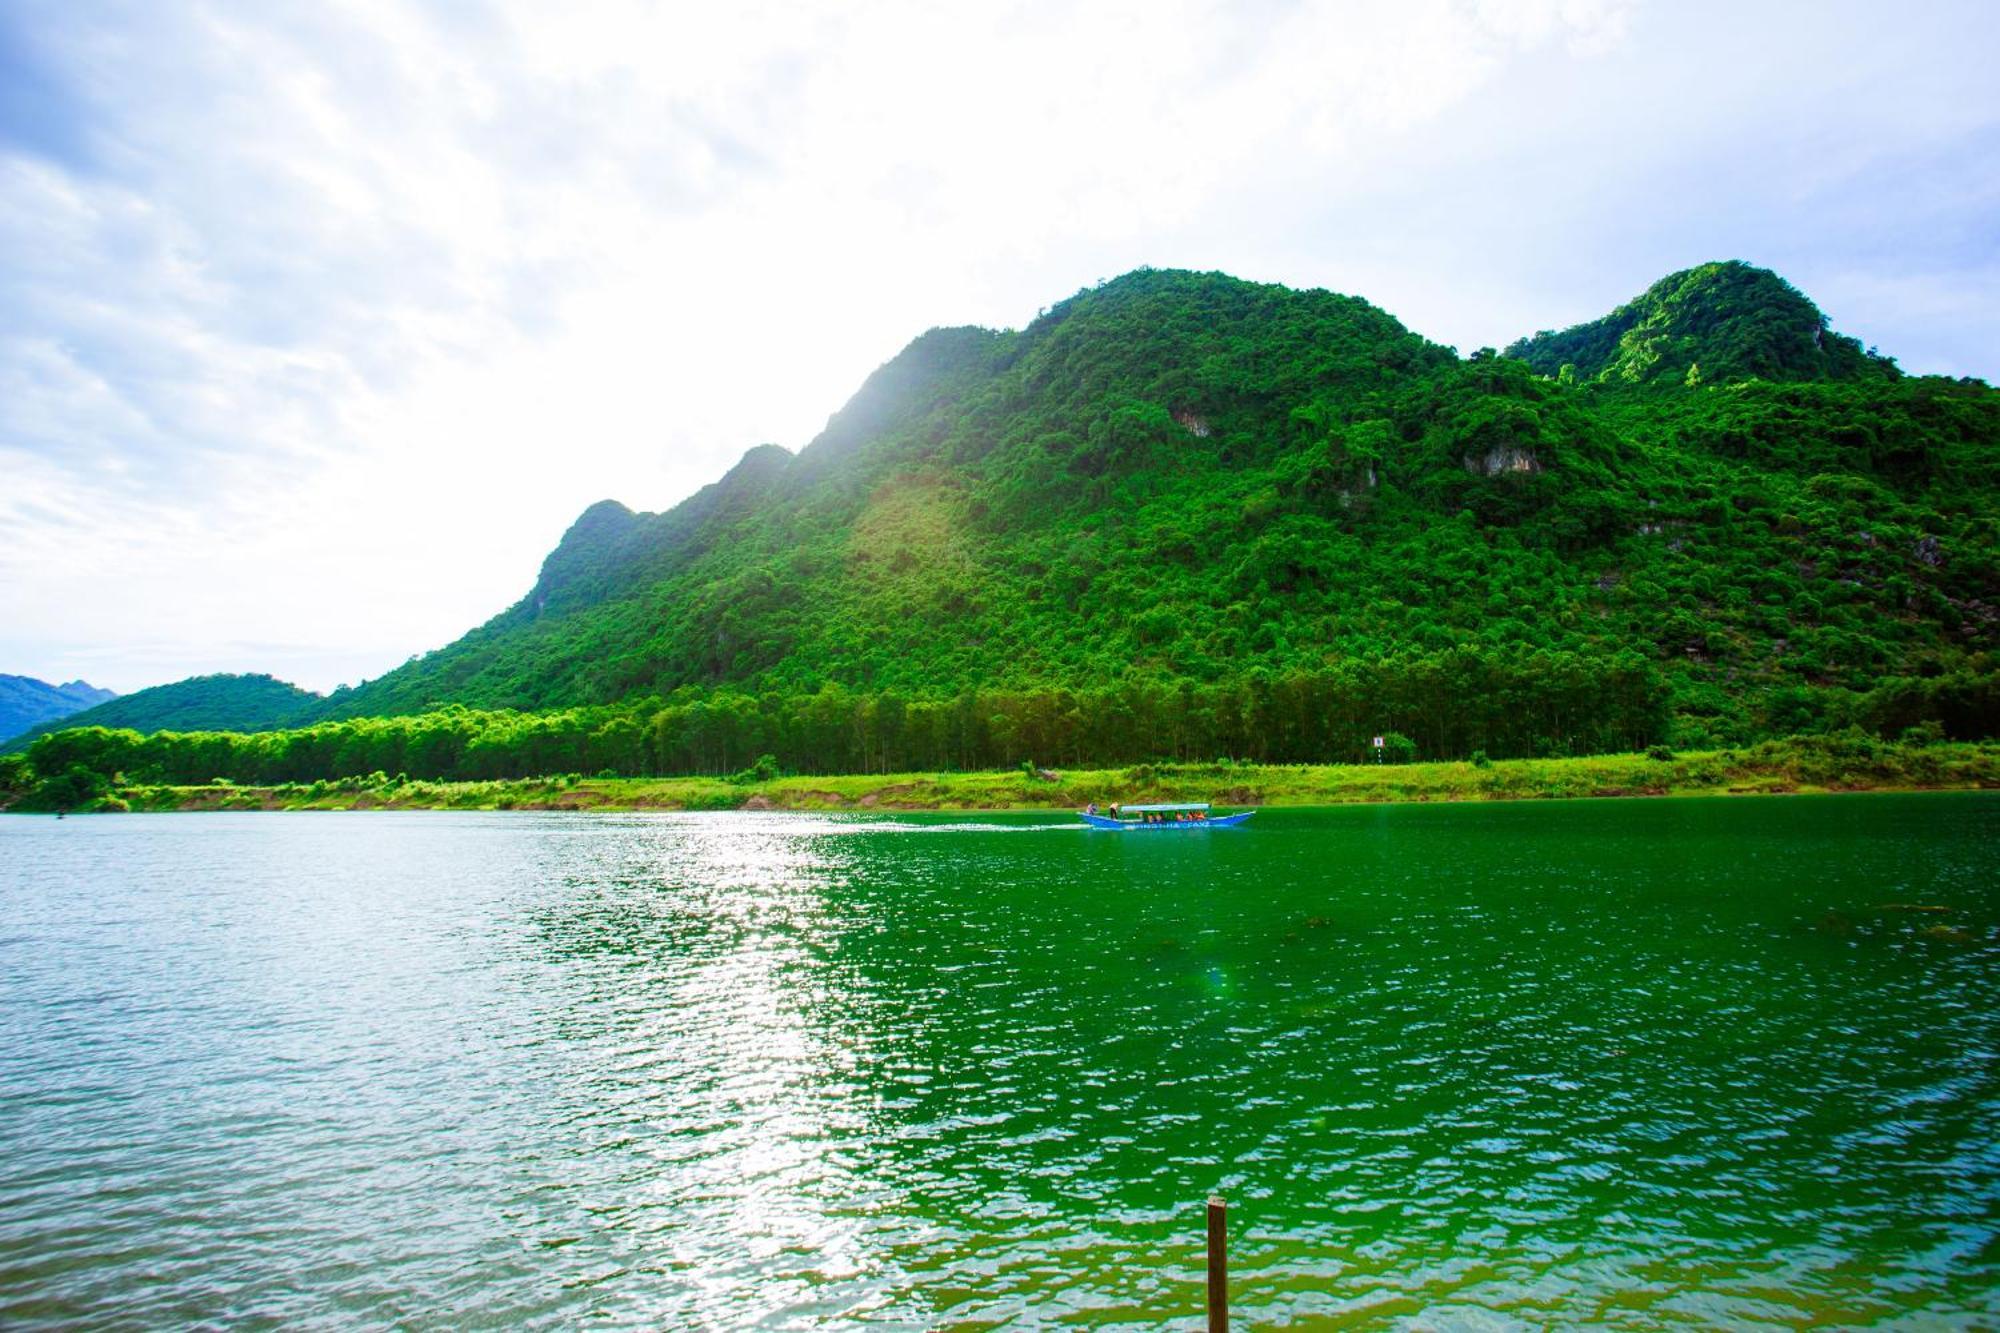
[[1705, 517], [200, 703], [1716, 324], [26, 702]]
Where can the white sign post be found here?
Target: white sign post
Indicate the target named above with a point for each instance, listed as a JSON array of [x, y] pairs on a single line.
[[1378, 749]]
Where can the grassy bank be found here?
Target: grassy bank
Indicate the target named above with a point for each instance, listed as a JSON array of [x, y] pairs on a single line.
[[1806, 764]]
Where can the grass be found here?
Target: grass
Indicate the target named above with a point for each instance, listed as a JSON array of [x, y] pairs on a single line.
[[1805, 764]]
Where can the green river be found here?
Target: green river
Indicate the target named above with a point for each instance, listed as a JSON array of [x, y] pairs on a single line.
[[1635, 1063]]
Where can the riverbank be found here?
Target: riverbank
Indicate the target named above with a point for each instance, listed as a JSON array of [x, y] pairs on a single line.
[[1805, 764]]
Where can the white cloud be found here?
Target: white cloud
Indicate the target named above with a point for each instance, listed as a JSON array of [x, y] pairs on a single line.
[[317, 328]]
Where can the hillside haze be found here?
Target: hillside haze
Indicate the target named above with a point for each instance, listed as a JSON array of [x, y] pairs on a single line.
[[1184, 476]]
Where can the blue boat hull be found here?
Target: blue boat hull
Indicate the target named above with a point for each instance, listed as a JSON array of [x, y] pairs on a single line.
[[1120, 825]]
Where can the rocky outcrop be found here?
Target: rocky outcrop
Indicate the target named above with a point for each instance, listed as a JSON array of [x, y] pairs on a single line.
[[1503, 458]]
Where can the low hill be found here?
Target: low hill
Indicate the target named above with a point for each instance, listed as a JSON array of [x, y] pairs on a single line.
[[26, 702], [1184, 477], [200, 703], [1717, 323]]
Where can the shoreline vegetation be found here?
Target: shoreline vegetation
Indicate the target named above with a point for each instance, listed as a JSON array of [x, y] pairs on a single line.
[[1815, 764]]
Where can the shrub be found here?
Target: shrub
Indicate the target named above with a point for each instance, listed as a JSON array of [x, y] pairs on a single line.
[[72, 789], [1662, 753], [764, 770], [1479, 759]]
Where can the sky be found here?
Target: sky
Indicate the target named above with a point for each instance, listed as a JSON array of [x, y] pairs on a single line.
[[320, 323]]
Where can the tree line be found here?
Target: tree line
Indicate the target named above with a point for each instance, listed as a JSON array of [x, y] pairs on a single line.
[[1447, 706], [1451, 706]]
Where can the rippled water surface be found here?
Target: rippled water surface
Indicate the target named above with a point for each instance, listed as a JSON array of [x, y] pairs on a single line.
[[1639, 1063]]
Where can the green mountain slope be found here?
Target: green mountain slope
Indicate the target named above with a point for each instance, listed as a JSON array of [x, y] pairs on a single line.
[[26, 702], [1006, 487], [200, 703], [1182, 477]]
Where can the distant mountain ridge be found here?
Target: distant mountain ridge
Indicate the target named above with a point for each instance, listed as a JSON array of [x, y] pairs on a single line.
[[200, 703], [26, 702]]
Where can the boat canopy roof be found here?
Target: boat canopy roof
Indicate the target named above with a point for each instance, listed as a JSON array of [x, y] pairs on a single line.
[[1163, 809]]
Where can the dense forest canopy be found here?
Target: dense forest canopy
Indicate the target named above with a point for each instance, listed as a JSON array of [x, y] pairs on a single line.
[[1180, 513]]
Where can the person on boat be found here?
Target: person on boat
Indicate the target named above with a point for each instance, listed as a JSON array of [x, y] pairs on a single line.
[[1090, 809], [1114, 809]]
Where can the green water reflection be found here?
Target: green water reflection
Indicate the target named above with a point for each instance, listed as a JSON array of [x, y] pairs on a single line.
[[1636, 1063]]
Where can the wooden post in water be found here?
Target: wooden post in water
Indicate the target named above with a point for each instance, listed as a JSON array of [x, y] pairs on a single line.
[[1218, 1265]]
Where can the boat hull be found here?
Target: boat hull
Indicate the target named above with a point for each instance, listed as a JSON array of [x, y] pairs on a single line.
[[1133, 825]]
